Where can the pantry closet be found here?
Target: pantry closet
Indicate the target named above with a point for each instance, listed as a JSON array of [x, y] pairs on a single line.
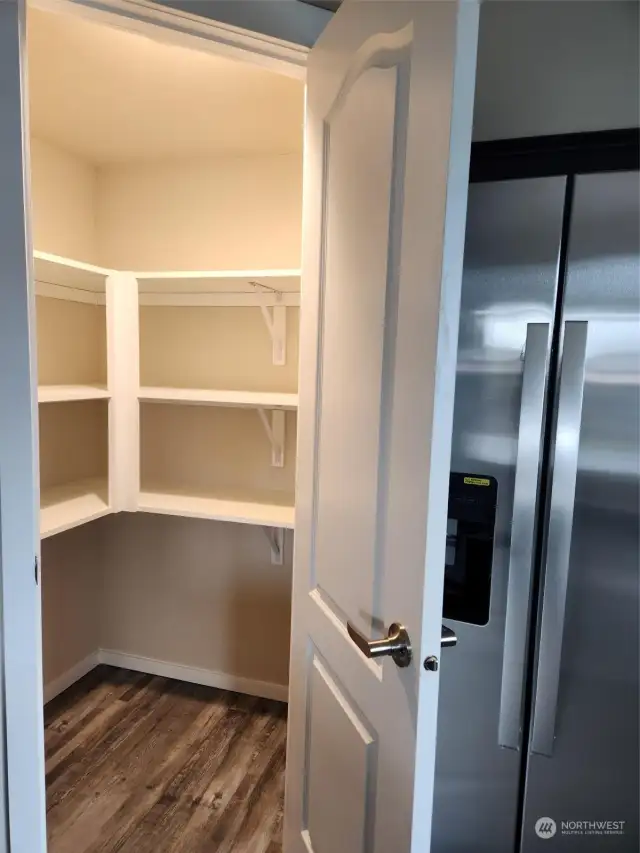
[[166, 201]]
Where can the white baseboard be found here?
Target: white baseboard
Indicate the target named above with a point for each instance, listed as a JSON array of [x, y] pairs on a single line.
[[194, 675], [62, 682]]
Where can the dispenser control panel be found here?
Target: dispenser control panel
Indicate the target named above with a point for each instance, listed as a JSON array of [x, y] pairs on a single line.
[[469, 552]]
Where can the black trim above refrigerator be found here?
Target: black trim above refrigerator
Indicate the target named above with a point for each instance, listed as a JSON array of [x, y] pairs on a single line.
[[564, 154]]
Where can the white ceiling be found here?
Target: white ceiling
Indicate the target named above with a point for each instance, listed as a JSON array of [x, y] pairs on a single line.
[[113, 96]]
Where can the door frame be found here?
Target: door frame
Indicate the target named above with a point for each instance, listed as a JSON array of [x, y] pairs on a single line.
[[184, 29], [22, 757]]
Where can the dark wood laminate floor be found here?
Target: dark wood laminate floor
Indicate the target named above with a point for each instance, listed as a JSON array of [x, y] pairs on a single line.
[[141, 764]]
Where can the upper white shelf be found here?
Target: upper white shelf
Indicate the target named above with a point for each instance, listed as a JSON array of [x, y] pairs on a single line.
[[66, 393], [220, 288], [68, 279], [233, 399], [220, 281], [64, 278]]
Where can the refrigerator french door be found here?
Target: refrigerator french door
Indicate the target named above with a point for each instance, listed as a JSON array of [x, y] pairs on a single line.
[[538, 717]]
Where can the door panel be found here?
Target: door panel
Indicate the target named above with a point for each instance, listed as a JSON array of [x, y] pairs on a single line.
[[508, 292], [354, 386], [592, 771], [19, 533], [387, 148], [341, 744]]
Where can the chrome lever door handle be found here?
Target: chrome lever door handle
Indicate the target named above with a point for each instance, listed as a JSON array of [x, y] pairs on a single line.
[[396, 644], [448, 638]]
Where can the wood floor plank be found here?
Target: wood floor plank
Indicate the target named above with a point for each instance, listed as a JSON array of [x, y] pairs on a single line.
[[69, 713], [246, 799], [164, 823], [209, 807], [112, 731], [134, 818], [121, 777], [254, 828], [139, 764], [275, 842]]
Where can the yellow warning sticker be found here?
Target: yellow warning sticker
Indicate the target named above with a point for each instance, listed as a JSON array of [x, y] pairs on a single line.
[[477, 481]]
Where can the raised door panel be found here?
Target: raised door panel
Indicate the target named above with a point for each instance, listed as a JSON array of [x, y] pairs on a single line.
[[354, 387], [343, 744]]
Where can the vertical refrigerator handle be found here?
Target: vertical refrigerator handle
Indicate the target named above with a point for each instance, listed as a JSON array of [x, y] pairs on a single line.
[[527, 474], [561, 510]]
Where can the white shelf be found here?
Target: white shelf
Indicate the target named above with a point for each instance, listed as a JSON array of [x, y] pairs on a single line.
[[220, 288], [64, 278], [66, 393], [205, 397], [68, 506], [219, 281], [263, 509]]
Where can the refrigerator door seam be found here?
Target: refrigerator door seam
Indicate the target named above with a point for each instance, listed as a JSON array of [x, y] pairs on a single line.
[[521, 553]]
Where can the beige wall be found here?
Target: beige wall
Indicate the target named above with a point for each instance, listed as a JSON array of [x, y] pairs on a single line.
[[72, 342], [198, 593], [200, 449], [74, 442], [182, 591], [205, 213], [63, 199], [201, 213], [72, 565], [221, 348]]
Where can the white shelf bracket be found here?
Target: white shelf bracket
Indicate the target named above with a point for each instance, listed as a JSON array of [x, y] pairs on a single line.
[[275, 535], [276, 323], [274, 429]]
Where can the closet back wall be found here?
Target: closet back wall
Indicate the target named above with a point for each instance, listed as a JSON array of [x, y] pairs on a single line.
[[202, 213]]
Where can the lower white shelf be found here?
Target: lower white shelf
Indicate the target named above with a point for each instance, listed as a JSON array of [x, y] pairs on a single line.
[[73, 504], [267, 509], [66, 393]]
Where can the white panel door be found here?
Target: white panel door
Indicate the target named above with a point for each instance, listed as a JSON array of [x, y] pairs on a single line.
[[19, 535], [389, 114]]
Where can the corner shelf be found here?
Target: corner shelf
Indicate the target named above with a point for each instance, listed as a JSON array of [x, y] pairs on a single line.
[[231, 399], [66, 393], [258, 508], [64, 278], [73, 504], [76, 503]]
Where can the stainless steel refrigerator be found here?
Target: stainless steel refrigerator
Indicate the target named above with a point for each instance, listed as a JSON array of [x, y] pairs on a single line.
[[538, 744]]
